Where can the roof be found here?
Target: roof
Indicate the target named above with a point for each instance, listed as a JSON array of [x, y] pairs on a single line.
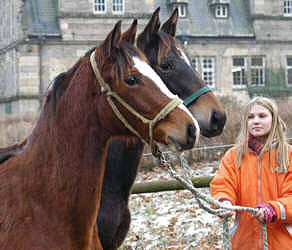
[[42, 19], [41, 16], [200, 21]]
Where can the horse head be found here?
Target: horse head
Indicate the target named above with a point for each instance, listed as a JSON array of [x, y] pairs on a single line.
[[138, 96], [172, 65]]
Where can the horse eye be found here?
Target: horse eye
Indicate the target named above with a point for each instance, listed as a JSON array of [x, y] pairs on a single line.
[[165, 66], [132, 80]]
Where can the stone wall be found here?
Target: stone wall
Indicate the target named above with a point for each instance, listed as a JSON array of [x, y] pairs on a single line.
[[275, 58], [79, 22], [86, 6], [11, 21], [278, 29], [8, 73]]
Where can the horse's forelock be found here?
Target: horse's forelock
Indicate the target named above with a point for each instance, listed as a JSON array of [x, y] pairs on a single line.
[[164, 45], [124, 57]]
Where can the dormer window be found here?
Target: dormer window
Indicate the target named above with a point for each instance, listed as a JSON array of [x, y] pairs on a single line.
[[181, 5], [182, 10], [221, 11], [219, 8]]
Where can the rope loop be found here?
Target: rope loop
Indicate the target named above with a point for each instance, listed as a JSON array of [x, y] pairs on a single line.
[[206, 202]]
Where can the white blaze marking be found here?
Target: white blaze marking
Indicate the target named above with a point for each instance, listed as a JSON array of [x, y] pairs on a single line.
[[147, 71], [184, 57]]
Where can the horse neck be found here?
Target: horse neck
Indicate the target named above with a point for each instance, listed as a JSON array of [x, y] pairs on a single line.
[[68, 152]]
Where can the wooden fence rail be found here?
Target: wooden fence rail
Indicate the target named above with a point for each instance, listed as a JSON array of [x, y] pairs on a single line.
[[162, 186]]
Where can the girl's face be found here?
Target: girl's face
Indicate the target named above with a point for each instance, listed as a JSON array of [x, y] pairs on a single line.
[[259, 121]]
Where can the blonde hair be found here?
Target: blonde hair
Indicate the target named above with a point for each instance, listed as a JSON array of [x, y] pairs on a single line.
[[276, 134]]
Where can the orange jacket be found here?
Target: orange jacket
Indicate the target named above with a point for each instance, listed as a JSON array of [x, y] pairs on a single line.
[[251, 184]]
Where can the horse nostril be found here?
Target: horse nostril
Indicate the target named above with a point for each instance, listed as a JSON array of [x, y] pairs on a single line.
[[217, 120], [191, 133]]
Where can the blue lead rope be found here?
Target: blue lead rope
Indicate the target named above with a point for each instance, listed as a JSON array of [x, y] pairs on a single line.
[[196, 95]]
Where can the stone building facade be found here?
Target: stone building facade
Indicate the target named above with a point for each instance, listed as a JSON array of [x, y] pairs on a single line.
[[240, 47]]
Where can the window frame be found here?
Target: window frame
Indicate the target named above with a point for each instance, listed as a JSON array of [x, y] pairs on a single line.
[[195, 63], [260, 69], [8, 108], [221, 8], [243, 69], [287, 9], [288, 67], [180, 7], [97, 3], [182, 10], [205, 71], [122, 4]]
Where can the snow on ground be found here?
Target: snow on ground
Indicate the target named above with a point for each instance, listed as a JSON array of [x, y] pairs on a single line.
[[172, 220]]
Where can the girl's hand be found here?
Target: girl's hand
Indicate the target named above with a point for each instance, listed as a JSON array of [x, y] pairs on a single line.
[[265, 213], [260, 215]]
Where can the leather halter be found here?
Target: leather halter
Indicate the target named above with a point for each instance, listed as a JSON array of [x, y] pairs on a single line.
[[110, 95], [196, 95]]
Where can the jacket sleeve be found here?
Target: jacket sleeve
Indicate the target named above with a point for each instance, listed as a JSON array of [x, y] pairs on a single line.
[[282, 205], [225, 183]]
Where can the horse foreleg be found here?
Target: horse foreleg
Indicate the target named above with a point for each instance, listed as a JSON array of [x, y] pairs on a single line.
[[123, 228]]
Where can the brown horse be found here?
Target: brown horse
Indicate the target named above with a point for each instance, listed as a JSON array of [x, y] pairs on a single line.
[[50, 191], [123, 158]]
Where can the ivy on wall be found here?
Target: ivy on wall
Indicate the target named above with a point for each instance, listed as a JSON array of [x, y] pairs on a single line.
[[275, 85]]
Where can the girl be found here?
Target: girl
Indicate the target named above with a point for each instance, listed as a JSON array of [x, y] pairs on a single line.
[[257, 172]]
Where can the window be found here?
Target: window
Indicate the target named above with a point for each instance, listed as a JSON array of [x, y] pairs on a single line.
[[257, 71], [239, 67], [1, 28], [289, 70], [182, 9], [221, 11], [118, 6], [99, 6], [208, 70], [287, 7], [205, 66], [8, 108], [195, 62]]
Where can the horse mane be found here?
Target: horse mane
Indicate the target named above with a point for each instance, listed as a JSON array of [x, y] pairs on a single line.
[[64, 78], [62, 81], [59, 86], [5, 157], [10, 151]]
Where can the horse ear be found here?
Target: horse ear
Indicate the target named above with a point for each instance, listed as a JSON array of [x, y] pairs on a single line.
[[151, 28], [113, 39], [169, 26], [130, 34]]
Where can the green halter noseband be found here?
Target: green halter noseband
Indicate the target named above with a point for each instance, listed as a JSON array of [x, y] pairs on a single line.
[[196, 95]]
